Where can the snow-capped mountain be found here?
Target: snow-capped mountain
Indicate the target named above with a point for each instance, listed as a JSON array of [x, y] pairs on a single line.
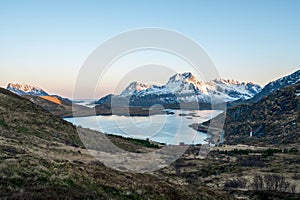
[[273, 86], [186, 83], [184, 87], [25, 89]]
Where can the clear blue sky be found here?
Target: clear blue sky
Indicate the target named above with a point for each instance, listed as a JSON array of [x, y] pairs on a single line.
[[45, 42]]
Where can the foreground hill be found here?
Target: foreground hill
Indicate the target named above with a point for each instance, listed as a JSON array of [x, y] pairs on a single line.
[[19, 118], [41, 157]]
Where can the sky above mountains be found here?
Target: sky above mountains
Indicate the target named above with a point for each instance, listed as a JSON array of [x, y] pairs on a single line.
[[45, 43]]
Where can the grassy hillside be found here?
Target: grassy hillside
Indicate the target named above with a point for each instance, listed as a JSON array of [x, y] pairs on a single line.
[[20, 118], [41, 157]]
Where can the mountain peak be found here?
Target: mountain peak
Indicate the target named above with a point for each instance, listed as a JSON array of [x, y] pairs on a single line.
[[26, 89], [181, 76], [187, 75], [134, 88]]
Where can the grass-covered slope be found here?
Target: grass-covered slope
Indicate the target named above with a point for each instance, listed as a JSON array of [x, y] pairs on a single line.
[[41, 157], [20, 118]]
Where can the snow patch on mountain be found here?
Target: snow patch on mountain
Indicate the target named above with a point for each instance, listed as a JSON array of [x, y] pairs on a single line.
[[134, 88]]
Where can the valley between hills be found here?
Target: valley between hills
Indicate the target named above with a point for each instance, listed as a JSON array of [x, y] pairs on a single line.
[[42, 156]]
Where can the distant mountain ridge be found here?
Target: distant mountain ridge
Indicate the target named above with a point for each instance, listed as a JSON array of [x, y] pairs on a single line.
[[291, 79], [23, 89], [56, 104], [183, 88], [26, 89]]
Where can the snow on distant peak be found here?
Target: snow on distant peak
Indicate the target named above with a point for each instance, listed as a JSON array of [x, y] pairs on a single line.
[[187, 88], [232, 89], [181, 76], [229, 82], [186, 83], [134, 88], [25, 89]]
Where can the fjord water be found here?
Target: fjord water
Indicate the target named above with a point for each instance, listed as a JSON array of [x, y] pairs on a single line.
[[169, 129]]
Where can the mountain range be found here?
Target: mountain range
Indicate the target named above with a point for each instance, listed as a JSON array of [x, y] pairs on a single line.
[[182, 88]]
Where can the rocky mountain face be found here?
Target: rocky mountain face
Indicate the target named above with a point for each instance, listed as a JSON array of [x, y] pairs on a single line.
[[274, 119], [182, 88]]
